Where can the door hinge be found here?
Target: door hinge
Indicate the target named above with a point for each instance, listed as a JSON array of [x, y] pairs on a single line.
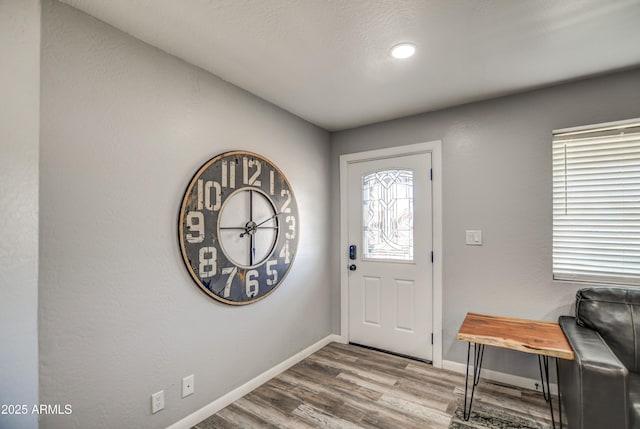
[[432, 338], [431, 174], [432, 257]]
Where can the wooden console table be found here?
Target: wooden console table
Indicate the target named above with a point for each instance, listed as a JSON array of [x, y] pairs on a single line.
[[544, 339]]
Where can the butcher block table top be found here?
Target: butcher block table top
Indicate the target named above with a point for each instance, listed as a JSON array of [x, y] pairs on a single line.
[[530, 336]]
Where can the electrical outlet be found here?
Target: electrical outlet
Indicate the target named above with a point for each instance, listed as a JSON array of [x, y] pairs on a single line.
[[187, 385], [157, 402]]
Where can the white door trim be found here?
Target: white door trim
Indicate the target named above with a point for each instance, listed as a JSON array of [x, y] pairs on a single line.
[[435, 148]]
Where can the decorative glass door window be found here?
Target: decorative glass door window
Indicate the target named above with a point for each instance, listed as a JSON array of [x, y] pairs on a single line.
[[387, 215]]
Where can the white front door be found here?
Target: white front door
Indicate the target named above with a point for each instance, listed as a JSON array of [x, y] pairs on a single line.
[[390, 269]]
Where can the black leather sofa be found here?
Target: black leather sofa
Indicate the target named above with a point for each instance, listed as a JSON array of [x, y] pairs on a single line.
[[600, 389]]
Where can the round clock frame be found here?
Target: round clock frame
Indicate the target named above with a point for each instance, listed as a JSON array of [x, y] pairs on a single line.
[[238, 227]]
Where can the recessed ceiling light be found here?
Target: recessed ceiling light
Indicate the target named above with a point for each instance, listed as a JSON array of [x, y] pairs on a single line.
[[403, 50]]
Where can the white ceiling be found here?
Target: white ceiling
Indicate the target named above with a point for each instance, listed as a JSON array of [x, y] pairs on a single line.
[[327, 61]]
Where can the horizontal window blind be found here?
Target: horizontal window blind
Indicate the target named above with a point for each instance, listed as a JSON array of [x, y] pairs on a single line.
[[596, 204]]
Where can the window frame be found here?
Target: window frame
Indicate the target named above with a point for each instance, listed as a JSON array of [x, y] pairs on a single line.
[[603, 131]]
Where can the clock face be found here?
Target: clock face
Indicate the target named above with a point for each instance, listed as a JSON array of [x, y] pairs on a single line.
[[238, 227]]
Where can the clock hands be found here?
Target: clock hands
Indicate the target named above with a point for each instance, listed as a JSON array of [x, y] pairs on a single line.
[[251, 226], [250, 229], [267, 220]]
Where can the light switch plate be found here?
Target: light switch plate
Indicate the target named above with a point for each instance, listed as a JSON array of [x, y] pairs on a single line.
[[474, 237]]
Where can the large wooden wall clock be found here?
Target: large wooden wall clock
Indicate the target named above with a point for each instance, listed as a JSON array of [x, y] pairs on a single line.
[[238, 227]]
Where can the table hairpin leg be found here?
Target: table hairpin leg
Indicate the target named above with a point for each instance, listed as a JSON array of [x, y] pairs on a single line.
[[543, 361], [544, 390], [478, 353], [559, 398]]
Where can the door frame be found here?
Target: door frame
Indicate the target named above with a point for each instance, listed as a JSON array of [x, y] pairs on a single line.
[[435, 148]]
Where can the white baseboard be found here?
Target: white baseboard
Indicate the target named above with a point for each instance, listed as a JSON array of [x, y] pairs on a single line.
[[215, 406], [500, 377]]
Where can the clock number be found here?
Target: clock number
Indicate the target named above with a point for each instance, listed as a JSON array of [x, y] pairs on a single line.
[[271, 182], [232, 273], [200, 195], [284, 253], [253, 180], [208, 264], [251, 284], [204, 195], [207, 196], [195, 223], [228, 174], [291, 234], [247, 164], [271, 272], [285, 207]]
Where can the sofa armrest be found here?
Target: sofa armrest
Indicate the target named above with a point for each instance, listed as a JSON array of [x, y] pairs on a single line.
[[594, 386]]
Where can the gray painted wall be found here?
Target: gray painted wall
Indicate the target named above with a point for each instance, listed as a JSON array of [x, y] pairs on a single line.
[[19, 128], [497, 178], [124, 127]]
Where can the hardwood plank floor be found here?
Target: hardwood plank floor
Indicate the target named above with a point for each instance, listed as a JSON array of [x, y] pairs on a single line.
[[344, 386]]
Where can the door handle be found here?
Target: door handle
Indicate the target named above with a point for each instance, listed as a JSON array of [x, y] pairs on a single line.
[[352, 267]]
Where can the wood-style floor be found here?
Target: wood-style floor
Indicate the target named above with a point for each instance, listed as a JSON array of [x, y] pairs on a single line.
[[344, 386]]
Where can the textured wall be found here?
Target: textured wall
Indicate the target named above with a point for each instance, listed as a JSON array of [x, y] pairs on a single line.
[[124, 127], [19, 126], [497, 178]]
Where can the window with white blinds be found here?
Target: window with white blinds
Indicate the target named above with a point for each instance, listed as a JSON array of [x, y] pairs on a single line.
[[596, 203]]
